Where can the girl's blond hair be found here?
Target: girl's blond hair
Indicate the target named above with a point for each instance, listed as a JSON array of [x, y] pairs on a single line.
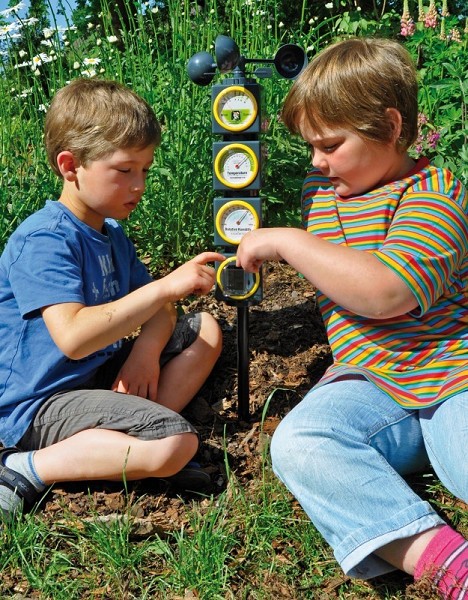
[[351, 84]]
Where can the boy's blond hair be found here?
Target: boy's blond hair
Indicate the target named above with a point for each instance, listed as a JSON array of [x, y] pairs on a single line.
[[351, 84], [93, 118]]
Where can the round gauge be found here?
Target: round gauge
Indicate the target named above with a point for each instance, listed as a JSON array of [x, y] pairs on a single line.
[[234, 219], [235, 108], [236, 165], [234, 282]]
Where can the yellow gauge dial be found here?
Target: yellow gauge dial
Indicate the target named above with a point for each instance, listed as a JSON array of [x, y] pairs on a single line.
[[235, 108], [235, 219], [234, 282], [236, 165]]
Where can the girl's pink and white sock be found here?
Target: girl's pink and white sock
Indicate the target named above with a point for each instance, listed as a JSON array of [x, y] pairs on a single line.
[[445, 560]]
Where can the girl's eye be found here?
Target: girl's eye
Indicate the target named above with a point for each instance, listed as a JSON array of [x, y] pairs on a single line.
[[123, 170], [330, 148]]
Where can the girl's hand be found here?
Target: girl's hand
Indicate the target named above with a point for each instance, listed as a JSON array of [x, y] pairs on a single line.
[[256, 247]]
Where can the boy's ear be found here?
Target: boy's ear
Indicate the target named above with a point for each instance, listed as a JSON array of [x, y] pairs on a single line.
[[67, 164], [394, 117]]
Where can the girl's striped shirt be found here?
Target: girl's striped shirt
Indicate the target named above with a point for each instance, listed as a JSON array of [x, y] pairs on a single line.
[[417, 227]]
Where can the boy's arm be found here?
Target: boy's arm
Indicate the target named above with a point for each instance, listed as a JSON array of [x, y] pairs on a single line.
[[354, 279], [80, 330], [139, 374]]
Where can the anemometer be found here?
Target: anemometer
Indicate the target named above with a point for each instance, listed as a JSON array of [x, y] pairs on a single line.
[[237, 173]]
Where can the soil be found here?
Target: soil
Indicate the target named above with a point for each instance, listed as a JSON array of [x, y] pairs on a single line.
[[287, 353]]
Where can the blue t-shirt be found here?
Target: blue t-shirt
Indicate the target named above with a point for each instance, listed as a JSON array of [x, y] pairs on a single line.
[[52, 258]]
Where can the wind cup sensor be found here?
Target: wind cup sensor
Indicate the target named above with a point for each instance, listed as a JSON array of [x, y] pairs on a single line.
[[289, 61]]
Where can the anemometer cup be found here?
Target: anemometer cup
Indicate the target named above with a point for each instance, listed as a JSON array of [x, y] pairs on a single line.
[[290, 60], [201, 68], [227, 54]]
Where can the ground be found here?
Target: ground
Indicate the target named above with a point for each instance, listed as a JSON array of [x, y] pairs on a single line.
[[288, 352]]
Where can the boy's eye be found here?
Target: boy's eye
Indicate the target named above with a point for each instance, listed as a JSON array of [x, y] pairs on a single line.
[[123, 170]]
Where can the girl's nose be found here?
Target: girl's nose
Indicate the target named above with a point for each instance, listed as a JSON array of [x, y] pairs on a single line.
[[319, 160]]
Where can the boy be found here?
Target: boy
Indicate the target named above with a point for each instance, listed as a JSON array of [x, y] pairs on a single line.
[[76, 403], [386, 247]]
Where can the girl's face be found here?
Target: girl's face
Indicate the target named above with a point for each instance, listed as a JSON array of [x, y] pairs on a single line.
[[354, 165]]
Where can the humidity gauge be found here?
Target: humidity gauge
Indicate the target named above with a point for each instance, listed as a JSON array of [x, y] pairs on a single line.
[[235, 108], [234, 218], [236, 165]]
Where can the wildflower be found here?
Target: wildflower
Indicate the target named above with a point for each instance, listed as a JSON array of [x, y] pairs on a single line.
[[39, 59], [430, 20], [442, 29], [112, 39], [98, 42], [445, 10], [407, 27], [48, 33], [432, 139], [47, 43], [76, 65], [42, 108], [421, 13], [22, 53], [90, 25], [329, 5], [91, 61], [88, 73], [7, 29], [13, 9], [455, 36], [280, 24]]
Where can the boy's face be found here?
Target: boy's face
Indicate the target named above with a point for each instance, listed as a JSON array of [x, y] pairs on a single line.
[[353, 165], [109, 187]]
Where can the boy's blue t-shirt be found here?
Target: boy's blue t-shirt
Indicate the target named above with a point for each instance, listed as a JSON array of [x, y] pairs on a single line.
[[52, 258]]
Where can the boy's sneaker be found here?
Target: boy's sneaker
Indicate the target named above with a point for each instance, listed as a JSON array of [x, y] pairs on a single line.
[[191, 478]]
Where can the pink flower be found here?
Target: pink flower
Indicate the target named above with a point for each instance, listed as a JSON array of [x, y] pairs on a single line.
[[430, 20]]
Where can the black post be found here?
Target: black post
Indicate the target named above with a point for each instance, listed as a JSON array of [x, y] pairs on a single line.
[[243, 362]]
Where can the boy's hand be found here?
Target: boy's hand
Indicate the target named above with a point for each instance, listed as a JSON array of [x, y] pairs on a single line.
[[139, 378], [193, 277]]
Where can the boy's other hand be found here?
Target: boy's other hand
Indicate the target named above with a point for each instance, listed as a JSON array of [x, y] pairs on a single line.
[[193, 277]]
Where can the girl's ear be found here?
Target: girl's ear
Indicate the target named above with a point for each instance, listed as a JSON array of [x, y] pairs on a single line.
[[394, 118], [67, 164]]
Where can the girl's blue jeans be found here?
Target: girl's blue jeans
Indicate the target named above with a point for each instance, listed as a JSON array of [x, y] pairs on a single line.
[[343, 453]]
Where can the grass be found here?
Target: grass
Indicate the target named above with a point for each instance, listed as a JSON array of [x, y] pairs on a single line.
[[252, 542]]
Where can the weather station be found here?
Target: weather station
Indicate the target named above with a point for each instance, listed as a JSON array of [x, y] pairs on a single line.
[[236, 114]]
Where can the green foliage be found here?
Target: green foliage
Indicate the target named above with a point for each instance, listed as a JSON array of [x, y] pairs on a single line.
[[147, 46]]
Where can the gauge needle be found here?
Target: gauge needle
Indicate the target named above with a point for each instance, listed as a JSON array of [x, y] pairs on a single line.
[[239, 165], [240, 220]]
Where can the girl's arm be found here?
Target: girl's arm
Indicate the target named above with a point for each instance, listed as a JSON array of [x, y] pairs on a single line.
[[353, 279]]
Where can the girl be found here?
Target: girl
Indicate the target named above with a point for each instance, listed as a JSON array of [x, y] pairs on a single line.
[[385, 245]]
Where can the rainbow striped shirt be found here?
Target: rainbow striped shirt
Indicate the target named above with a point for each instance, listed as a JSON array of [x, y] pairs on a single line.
[[418, 227]]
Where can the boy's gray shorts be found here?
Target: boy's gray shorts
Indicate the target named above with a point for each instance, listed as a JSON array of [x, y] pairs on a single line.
[[95, 406]]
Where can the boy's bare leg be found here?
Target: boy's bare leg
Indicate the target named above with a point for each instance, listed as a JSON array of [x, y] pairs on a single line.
[[105, 454], [183, 376]]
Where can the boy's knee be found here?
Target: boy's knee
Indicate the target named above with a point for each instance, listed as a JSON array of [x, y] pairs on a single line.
[[210, 332]]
